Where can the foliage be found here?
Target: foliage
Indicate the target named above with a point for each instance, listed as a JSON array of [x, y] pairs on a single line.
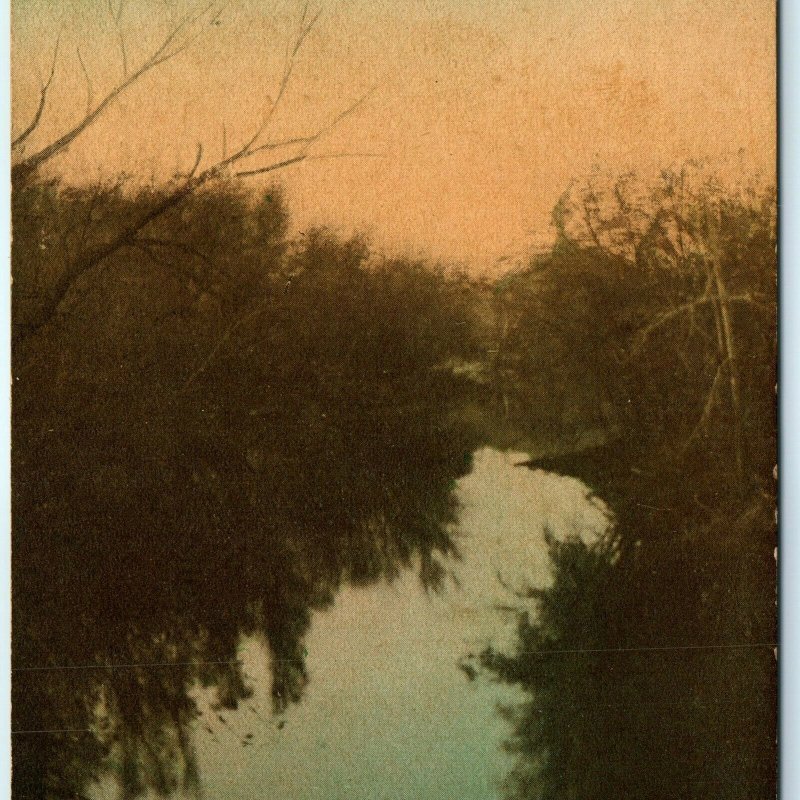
[[651, 674], [654, 312], [216, 429]]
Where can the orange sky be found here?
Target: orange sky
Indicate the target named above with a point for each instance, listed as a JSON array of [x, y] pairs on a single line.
[[481, 115]]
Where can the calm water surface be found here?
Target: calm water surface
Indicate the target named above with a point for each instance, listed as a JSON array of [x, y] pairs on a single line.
[[388, 713]]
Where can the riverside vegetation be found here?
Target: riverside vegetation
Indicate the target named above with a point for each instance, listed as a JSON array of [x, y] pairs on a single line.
[[219, 425], [216, 426]]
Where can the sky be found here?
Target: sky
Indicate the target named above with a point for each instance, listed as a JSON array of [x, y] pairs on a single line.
[[478, 116]]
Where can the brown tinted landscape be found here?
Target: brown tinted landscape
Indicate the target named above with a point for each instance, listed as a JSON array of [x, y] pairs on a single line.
[[394, 404]]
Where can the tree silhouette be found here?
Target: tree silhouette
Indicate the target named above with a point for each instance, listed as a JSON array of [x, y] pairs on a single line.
[[256, 155], [649, 662], [214, 428]]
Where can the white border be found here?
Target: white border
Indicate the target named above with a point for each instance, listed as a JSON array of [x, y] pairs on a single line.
[[789, 419], [789, 559], [5, 401]]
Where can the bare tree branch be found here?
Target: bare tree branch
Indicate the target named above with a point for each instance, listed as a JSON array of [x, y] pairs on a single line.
[[197, 160], [100, 253], [690, 307], [343, 154], [304, 157], [711, 401], [292, 52], [116, 15], [587, 217], [349, 111], [282, 143], [271, 167], [42, 99], [131, 235], [167, 50], [89, 95], [308, 141], [731, 353]]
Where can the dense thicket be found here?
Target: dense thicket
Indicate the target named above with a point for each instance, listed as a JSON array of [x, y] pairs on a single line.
[[649, 663], [214, 427]]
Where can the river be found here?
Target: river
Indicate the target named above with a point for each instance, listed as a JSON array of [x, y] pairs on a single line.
[[388, 712]]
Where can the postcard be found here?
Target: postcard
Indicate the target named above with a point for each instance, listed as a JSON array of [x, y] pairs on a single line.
[[394, 399]]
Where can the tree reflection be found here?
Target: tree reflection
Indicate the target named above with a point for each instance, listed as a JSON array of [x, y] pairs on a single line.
[[215, 435]]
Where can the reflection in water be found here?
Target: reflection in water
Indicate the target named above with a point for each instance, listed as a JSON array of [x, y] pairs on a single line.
[[172, 494], [387, 712], [207, 449]]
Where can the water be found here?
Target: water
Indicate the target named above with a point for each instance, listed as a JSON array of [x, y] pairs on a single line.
[[388, 712]]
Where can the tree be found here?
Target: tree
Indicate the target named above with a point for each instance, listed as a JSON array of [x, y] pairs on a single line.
[[702, 260], [245, 159], [649, 662], [658, 304], [214, 428], [214, 437]]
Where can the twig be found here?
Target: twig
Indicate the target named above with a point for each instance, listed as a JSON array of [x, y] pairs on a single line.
[[271, 167], [42, 99], [89, 96], [707, 408], [117, 17], [690, 308], [164, 52], [291, 58]]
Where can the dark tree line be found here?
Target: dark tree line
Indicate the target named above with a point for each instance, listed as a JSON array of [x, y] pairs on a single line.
[[650, 663], [216, 426], [221, 427], [213, 428]]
